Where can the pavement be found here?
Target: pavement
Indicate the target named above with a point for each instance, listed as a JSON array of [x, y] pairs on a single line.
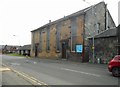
[[65, 61], [11, 78]]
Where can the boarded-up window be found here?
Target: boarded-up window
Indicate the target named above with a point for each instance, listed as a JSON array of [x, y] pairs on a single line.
[[58, 27], [40, 41], [73, 33], [33, 41], [48, 39]]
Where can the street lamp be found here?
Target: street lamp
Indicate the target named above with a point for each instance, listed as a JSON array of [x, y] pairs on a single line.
[[18, 39], [93, 47]]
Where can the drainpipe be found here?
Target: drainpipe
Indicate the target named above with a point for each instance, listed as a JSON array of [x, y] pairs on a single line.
[[118, 36], [83, 53], [106, 17]]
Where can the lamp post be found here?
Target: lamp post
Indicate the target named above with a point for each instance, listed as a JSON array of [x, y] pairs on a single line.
[[18, 39], [93, 41]]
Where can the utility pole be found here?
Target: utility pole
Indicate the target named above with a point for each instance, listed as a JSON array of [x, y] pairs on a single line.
[[93, 47], [93, 43]]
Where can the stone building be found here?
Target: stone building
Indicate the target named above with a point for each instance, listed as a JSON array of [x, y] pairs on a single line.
[[10, 49], [58, 39], [106, 46], [24, 50]]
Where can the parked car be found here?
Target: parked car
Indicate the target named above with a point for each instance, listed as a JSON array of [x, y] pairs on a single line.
[[114, 66]]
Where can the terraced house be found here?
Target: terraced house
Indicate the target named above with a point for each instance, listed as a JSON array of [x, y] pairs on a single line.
[[59, 39]]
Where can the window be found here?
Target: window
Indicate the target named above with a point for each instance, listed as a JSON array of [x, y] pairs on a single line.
[[33, 37], [98, 27], [48, 39], [40, 41], [58, 26], [73, 33]]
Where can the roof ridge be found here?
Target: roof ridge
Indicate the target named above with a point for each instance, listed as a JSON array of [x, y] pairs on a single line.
[[107, 33], [70, 15]]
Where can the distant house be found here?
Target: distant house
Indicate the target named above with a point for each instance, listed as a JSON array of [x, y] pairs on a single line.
[[105, 45], [10, 49], [25, 50], [1, 48]]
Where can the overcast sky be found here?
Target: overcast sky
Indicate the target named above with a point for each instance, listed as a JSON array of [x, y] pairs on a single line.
[[19, 17]]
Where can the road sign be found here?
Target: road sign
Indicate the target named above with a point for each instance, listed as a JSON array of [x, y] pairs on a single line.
[[79, 48]]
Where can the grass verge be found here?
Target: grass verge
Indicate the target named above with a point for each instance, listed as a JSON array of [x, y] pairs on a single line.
[[14, 54]]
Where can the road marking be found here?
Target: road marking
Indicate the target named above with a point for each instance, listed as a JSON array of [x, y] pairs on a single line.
[[96, 75], [15, 64], [4, 69], [29, 78], [35, 62]]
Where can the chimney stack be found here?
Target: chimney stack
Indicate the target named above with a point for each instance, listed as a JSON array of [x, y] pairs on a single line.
[[49, 21]]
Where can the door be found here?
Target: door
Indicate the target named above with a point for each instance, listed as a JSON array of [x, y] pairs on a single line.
[[36, 51], [63, 50]]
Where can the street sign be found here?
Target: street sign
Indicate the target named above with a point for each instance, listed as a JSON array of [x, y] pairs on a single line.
[[79, 48]]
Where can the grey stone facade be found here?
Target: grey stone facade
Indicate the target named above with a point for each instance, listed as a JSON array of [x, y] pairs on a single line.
[[97, 20], [105, 46]]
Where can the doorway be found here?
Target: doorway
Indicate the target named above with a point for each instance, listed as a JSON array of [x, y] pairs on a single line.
[[63, 50], [36, 50]]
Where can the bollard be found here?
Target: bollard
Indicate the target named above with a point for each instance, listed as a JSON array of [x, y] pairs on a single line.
[[98, 60]]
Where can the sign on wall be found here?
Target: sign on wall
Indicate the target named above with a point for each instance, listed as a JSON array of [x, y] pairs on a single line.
[[79, 48]]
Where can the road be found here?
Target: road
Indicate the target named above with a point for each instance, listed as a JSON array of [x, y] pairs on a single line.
[[60, 72]]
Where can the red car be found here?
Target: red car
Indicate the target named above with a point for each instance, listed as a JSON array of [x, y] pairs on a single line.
[[114, 66]]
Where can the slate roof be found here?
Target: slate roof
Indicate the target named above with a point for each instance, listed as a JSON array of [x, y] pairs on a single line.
[[8, 47], [81, 12], [25, 47], [107, 33], [2, 46]]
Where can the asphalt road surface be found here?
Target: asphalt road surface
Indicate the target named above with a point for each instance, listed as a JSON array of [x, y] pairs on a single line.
[[59, 72]]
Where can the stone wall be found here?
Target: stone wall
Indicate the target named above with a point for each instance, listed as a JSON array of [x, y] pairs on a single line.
[[62, 30], [105, 49], [96, 20], [35, 39]]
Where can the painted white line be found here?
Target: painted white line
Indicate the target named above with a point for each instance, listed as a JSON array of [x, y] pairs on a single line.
[[91, 74], [15, 64], [25, 76], [4, 69], [29, 78]]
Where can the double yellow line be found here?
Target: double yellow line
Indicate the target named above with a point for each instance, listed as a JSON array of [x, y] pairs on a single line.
[[27, 77]]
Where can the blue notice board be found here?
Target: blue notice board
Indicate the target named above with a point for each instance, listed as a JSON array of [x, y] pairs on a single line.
[[79, 48]]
